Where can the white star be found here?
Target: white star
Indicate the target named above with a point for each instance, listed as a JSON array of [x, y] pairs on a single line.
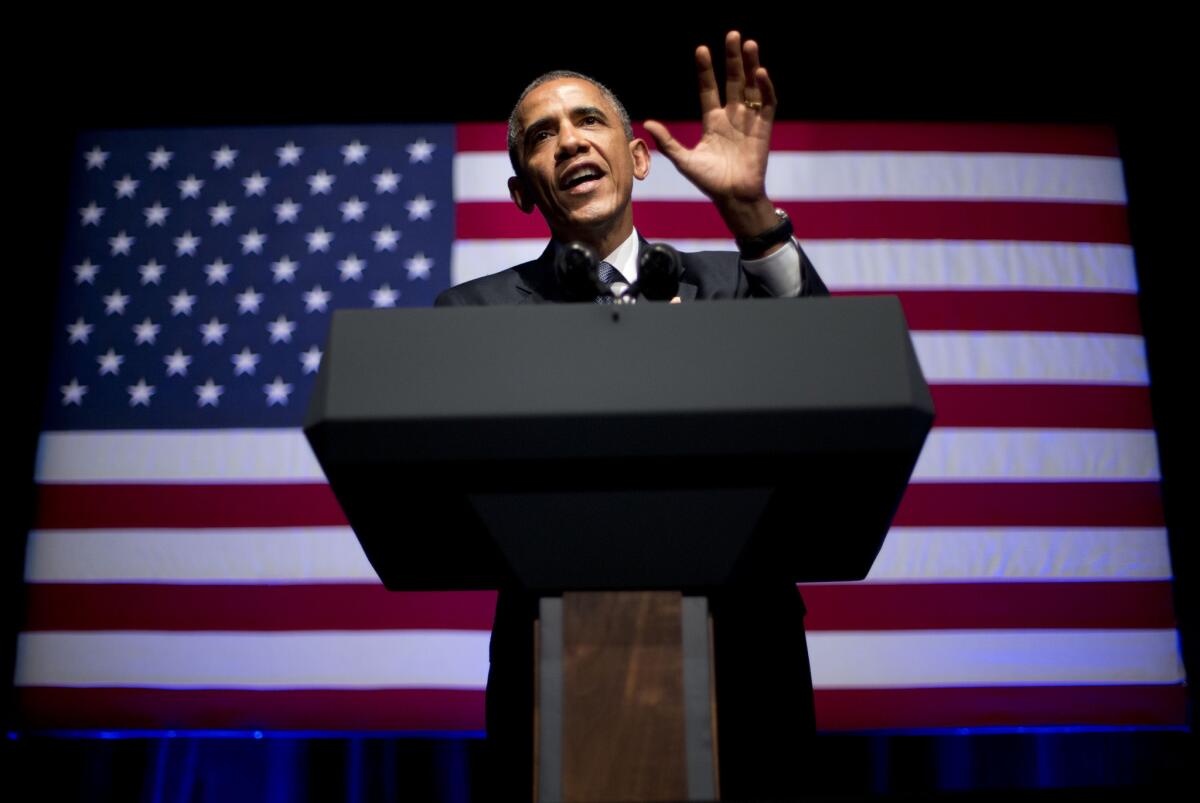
[[73, 393], [248, 301], [386, 181], [284, 270], [277, 392], [384, 296], [221, 214], [320, 182], [255, 184], [352, 209], [385, 239], [79, 330], [146, 331], [252, 242], [317, 299], [223, 158], [86, 272], [140, 393], [286, 212], [289, 154], [177, 363], [318, 239], [355, 153], [156, 215], [351, 268], [420, 151], [114, 303], [160, 158], [96, 158], [126, 186], [190, 187], [90, 215], [213, 332], [151, 272], [208, 393], [186, 244], [418, 266], [311, 359], [181, 303], [281, 330], [218, 272], [110, 363], [420, 208], [121, 243], [244, 362]]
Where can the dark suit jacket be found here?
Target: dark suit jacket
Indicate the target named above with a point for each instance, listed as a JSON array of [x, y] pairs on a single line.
[[764, 686], [706, 275]]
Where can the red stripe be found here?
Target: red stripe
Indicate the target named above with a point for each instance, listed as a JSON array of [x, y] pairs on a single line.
[[1000, 706], [441, 709], [162, 606], [1048, 504], [984, 605], [302, 709], [835, 220], [1017, 311], [1066, 406], [1031, 504], [865, 606], [260, 505], [794, 136]]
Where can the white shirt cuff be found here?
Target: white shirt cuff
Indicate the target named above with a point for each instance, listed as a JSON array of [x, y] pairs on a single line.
[[779, 272]]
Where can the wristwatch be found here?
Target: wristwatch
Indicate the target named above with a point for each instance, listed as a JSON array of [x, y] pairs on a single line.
[[755, 247]]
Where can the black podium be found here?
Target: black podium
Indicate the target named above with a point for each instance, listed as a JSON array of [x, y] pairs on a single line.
[[617, 460]]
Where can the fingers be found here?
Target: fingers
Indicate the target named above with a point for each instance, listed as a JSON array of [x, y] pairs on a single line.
[[735, 76], [710, 98], [768, 92], [667, 144], [750, 65]]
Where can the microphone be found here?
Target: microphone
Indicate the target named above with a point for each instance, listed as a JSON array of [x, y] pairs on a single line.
[[577, 268], [659, 270]]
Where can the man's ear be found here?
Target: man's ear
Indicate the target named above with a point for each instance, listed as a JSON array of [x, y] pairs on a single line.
[[520, 194], [641, 158]]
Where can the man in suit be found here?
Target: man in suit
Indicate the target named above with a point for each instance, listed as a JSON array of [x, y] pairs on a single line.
[[575, 160]]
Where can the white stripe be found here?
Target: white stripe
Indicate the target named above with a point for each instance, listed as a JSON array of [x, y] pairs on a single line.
[[889, 264], [333, 555], [196, 456], [312, 659], [950, 453], [268, 554], [1022, 553], [985, 658], [967, 265], [1018, 357], [1056, 455], [799, 176], [453, 659]]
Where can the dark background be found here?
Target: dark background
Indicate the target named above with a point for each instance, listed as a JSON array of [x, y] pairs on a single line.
[[223, 66]]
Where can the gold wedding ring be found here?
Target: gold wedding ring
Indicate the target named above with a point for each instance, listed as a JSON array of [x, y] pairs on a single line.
[[752, 104]]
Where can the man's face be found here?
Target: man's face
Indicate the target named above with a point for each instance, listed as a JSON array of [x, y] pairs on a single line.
[[577, 166]]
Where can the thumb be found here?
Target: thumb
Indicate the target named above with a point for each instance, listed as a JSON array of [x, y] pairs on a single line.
[[667, 144]]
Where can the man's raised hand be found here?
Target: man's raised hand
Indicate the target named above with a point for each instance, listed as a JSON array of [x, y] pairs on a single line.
[[729, 164]]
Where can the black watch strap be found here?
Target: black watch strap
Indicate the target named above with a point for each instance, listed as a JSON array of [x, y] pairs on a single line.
[[755, 247]]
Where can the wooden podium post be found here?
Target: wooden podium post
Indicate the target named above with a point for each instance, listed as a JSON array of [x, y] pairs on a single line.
[[624, 703]]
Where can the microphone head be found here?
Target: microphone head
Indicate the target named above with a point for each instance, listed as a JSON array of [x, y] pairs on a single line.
[[577, 268], [659, 270]]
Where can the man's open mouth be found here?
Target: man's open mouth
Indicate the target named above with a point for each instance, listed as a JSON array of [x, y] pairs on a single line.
[[581, 178]]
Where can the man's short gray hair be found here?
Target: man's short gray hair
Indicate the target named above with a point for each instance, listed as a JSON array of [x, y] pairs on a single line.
[[514, 122]]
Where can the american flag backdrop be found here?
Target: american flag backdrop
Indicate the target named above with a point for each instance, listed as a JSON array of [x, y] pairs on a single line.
[[190, 568]]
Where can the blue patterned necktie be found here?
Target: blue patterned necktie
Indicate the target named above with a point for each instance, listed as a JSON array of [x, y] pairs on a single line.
[[608, 274]]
